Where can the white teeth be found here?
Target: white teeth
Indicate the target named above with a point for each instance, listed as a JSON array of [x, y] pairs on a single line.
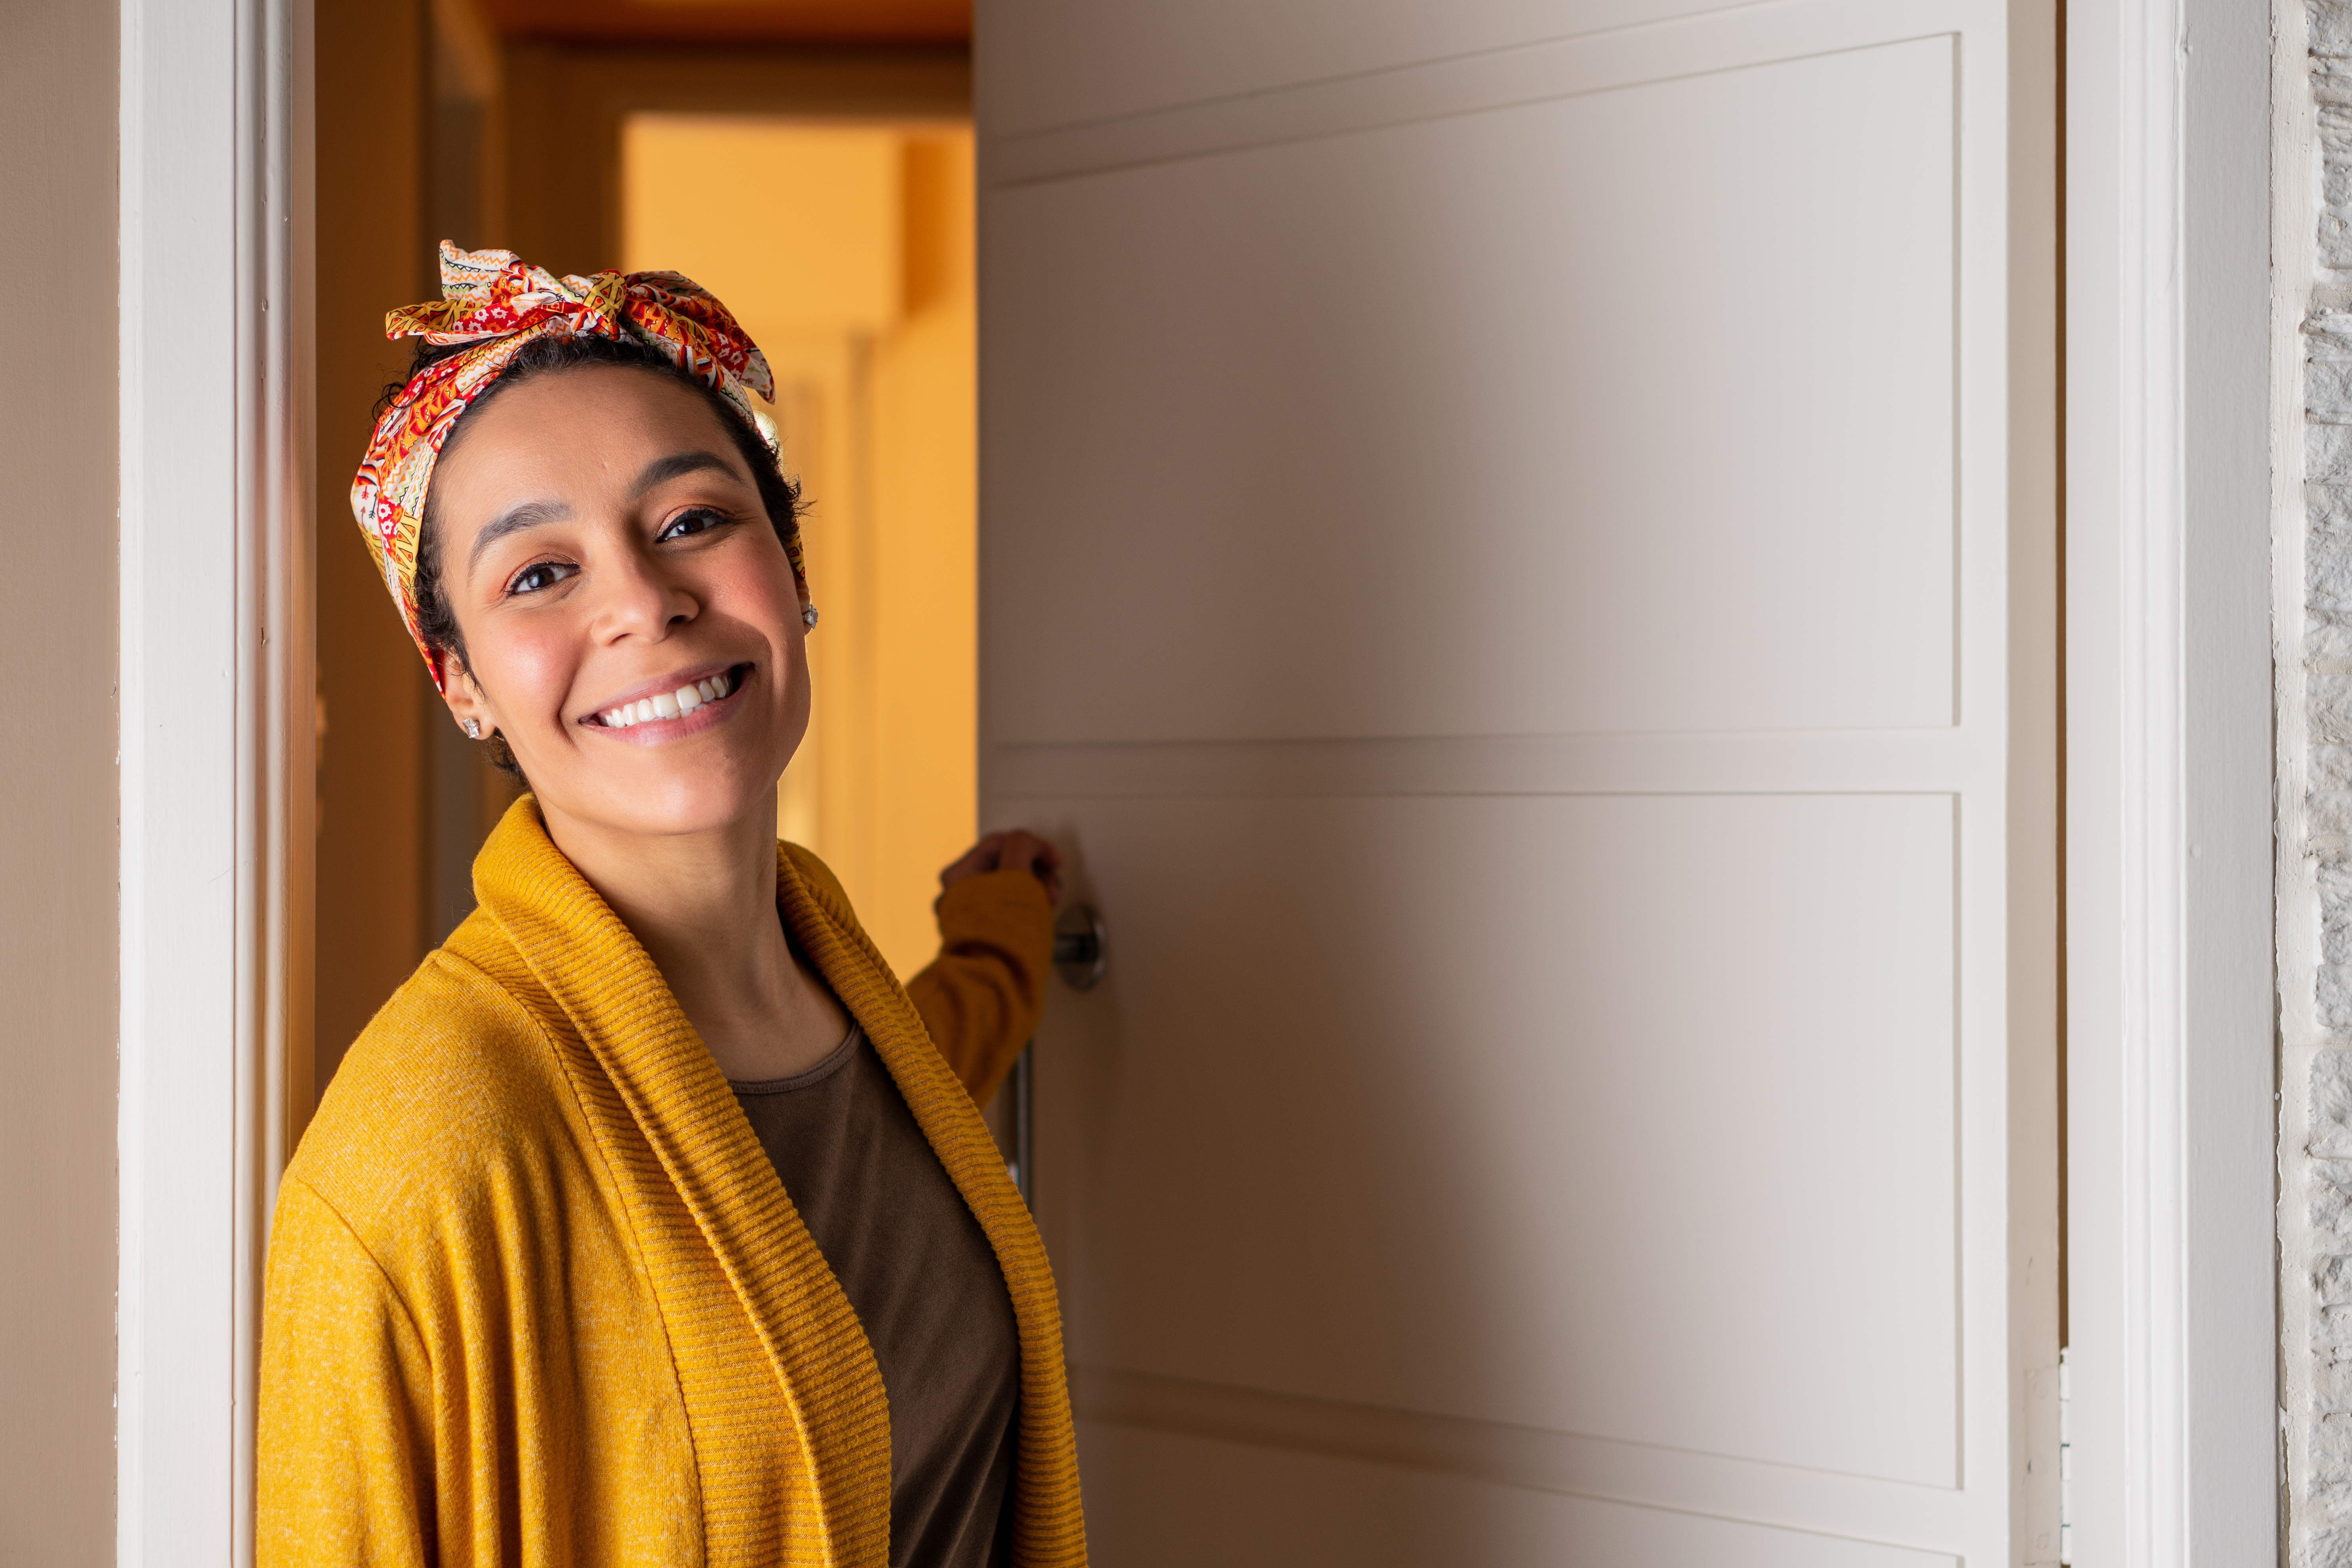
[[668, 704]]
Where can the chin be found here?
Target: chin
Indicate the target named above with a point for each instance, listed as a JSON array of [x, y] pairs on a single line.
[[665, 784], [703, 802], [664, 801]]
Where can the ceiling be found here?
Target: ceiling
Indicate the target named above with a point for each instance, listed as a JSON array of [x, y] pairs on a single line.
[[735, 21]]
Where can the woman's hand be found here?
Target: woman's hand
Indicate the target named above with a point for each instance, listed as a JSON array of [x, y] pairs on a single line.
[[1017, 851]]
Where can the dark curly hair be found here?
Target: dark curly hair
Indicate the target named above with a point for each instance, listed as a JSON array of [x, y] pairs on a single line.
[[544, 356]]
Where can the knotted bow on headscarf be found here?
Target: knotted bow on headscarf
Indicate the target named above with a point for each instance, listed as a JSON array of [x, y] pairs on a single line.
[[495, 302]]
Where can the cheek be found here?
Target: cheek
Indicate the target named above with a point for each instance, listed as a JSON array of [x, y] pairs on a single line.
[[755, 586], [765, 576], [526, 667]]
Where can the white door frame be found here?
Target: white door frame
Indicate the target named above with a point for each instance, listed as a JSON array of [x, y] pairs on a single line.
[[2170, 1035], [2170, 1075], [216, 713]]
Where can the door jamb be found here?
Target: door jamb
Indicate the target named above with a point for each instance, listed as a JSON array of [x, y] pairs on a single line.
[[2171, 982], [216, 711]]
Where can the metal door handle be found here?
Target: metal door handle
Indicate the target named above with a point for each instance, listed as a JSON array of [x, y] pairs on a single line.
[[1081, 947], [1081, 952]]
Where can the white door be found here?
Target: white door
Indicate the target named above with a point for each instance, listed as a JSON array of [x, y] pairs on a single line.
[[1516, 554]]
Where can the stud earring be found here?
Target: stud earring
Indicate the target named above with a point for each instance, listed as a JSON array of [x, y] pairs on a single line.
[[473, 729], [808, 614]]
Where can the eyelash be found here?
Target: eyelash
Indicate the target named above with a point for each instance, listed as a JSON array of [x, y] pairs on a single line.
[[715, 519], [515, 584]]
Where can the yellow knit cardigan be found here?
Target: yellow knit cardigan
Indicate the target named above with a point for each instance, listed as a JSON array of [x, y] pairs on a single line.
[[536, 1298]]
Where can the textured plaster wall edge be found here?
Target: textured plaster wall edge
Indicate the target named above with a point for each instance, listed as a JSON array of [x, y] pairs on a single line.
[[2313, 543]]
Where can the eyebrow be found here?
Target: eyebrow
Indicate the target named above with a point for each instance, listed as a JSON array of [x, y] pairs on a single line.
[[514, 519], [661, 471], [531, 513]]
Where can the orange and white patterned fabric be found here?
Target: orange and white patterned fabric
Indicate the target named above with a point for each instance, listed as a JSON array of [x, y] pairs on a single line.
[[496, 302]]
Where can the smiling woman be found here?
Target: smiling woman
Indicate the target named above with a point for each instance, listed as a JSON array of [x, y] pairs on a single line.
[[652, 1221]]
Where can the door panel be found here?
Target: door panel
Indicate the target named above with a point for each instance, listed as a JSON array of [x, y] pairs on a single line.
[[1652, 444], [1697, 1002], [1517, 576]]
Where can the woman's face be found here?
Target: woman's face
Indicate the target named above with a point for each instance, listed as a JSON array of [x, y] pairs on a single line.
[[604, 548]]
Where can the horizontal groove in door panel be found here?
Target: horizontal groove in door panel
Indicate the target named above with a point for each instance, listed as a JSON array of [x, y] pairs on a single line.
[[1843, 762], [1887, 1513], [1052, 65], [1632, 56]]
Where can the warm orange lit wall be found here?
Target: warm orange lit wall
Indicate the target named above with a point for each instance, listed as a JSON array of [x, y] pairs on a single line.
[[372, 256], [847, 252], [924, 556], [57, 790]]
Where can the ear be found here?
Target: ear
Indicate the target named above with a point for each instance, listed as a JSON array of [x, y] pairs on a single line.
[[464, 700]]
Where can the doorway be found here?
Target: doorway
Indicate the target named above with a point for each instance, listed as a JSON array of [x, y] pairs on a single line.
[[861, 296], [2151, 1254]]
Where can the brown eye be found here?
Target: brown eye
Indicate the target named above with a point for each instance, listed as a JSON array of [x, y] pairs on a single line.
[[539, 575], [700, 519]]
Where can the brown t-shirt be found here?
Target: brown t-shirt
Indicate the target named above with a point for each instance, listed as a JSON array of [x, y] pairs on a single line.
[[928, 1289]]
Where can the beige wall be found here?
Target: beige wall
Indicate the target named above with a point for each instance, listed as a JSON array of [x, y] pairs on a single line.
[[57, 78]]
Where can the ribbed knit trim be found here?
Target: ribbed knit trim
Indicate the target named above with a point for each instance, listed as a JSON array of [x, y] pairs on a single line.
[[671, 1128], [1049, 1527], [722, 1240]]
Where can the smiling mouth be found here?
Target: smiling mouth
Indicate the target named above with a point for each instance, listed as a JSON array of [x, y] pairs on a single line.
[[677, 704]]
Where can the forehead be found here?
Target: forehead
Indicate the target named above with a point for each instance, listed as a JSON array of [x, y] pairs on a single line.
[[570, 431]]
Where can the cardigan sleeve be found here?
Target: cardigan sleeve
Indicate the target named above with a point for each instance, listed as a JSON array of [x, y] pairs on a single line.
[[343, 1459], [981, 998]]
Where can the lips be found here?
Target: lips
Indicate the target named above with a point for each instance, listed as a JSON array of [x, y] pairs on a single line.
[[689, 695]]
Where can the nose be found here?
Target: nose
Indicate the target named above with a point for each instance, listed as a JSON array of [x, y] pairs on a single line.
[[635, 598]]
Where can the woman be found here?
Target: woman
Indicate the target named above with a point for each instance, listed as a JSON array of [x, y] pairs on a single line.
[[646, 1225]]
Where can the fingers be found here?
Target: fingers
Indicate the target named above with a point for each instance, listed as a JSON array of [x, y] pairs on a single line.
[[984, 855], [1023, 850], [1017, 851]]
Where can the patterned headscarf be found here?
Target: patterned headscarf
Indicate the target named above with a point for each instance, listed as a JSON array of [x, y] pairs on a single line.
[[494, 302]]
